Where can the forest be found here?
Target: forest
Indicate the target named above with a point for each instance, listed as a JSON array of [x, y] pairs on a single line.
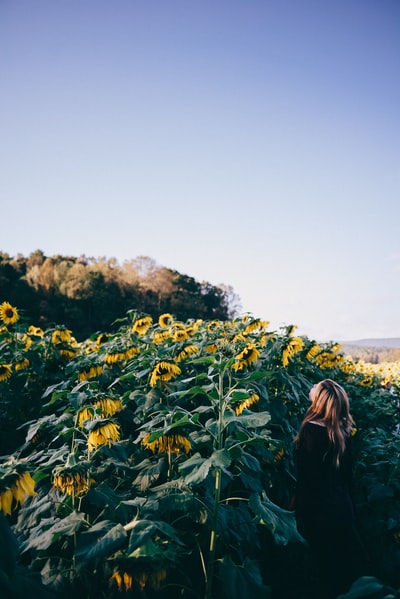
[[89, 294]]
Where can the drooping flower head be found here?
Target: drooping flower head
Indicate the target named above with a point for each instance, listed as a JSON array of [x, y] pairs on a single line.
[[295, 345], [187, 351], [61, 336], [103, 434], [164, 371], [141, 325], [16, 490], [5, 371], [248, 356], [72, 481], [246, 403], [90, 373], [170, 443], [8, 314]]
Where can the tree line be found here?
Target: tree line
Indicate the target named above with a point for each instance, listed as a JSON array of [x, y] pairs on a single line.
[[89, 294]]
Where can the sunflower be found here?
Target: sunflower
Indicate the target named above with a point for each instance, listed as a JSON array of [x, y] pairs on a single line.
[[102, 338], [35, 331], [214, 324], [180, 335], [103, 435], [8, 314], [313, 351], [187, 351], [294, 346], [21, 487], [90, 373], [85, 414], [164, 371], [165, 320], [22, 364], [67, 353], [5, 371], [122, 580], [72, 481], [61, 336], [211, 348], [161, 336], [248, 356], [255, 324], [326, 359], [168, 444], [141, 325], [108, 406], [252, 399]]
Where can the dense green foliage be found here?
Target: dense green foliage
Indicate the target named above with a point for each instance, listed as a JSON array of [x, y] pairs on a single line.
[[88, 294], [162, 459]]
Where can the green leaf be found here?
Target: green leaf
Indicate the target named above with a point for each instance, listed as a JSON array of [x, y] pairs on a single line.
[[281, 523], [65, 527], [253, 420], [197, 468], [102, 540], [241, 582], [366, 586]]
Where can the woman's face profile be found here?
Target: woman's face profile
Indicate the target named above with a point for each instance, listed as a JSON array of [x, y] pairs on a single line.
[[312, 393]]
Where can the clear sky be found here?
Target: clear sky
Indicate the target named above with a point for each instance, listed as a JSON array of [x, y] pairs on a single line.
[[254, 143]]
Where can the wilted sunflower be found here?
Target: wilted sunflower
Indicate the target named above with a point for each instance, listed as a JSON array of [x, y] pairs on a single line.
[[72, 481], [187, 351], [295, 345], [61, 336], [141, 325], [168, 444], [19, 489], [180, 335], [90, 373], [22, 364], [256, 324], [252, 399], [5, 371], [8, 314], [108, 406], [85, 414], [248, 356], [161, 336], [122, 580], [103, 435], [165, 320], [326, 359], [313, 351], [164, 371], [211, 348]]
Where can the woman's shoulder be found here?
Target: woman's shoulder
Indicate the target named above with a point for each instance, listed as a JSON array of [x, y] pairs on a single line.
[[314, 429]]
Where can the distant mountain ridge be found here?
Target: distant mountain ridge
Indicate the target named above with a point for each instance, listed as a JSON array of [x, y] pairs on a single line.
[[390, 342]]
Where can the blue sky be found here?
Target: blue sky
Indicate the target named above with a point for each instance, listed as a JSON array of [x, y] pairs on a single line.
[[251, 143]]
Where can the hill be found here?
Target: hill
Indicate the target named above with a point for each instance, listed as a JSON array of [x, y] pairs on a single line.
[[374, 351], [392, 342]]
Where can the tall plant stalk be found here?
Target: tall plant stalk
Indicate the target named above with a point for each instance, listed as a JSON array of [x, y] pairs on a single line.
[[217, 492]]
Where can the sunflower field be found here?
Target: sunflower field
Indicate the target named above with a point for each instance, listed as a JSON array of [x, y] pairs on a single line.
[[156, 461]]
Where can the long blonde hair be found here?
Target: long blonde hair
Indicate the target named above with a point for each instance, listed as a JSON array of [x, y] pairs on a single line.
[[330, 406]]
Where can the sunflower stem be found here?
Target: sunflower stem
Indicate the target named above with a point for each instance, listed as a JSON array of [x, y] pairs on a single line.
[[217, 492]]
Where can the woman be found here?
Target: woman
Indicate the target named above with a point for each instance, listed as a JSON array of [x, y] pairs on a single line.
[[323, 498]]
